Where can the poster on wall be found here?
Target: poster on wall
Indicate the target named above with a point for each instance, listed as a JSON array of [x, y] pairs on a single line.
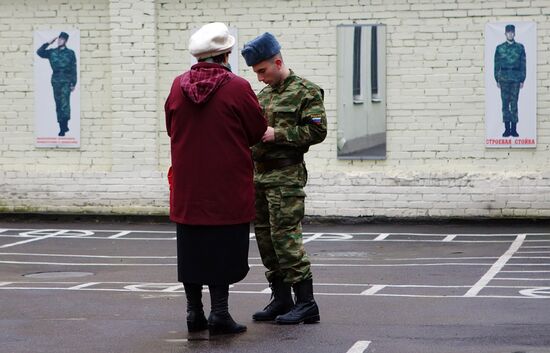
[[56, 88], [511, 84]]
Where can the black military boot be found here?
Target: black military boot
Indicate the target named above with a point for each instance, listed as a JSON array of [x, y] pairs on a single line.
[[281, 302], [513, 131], [305, 310], [61, 130], [196, 321], [219, 321], [507, 131]]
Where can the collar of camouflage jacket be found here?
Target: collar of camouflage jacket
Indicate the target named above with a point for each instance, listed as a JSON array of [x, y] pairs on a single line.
[[282, 87]]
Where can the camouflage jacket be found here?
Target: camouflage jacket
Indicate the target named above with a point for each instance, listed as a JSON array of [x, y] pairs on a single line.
[[63, 63], [295, 110], [510, 62]]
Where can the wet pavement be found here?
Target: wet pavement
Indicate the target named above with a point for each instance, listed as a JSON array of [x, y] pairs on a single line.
[[393, 288]]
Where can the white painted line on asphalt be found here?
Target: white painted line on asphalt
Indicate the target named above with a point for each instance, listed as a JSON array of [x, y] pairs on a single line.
[[101, 230], [5, 283], [534, 252], [312, 237], [89, 256], [401, 265], [177, 340], [520, 279], [527, 271], [251, 265], [28, 241], [266, 291], [321, 239], [531, 264], [542, 292], [444, 258], [239, 284], [120, 234], [450, 237], [359, 347], [373, 290], [177, 288], [497, 266], [320, 294], [3, 230], [83, 285], [77, 264], [536, 247], [382, 236]]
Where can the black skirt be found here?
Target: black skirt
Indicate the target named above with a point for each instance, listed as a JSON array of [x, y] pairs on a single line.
[[212, 254]]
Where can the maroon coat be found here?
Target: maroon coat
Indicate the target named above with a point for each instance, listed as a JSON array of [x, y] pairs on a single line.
[[212, 118]]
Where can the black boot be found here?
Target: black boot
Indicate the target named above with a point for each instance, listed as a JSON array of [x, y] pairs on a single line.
[[61, 130], [305, 310], [219, 321], [513, 131], [196, 321], [507, 131], [281, 302]]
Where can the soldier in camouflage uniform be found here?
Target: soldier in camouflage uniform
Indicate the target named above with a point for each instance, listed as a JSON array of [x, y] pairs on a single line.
[[510, 71], [296, 118], [63, 63]]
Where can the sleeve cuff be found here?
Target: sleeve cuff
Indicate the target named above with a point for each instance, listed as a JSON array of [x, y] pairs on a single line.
[[279, 135]]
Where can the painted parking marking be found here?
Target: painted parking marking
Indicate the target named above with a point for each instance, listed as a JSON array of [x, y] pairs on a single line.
[[373, 290], [147, 235], [324, 289], [526, 271], [542, 292], [450, 237], [88, 256], [359, 347], [83, 285], [382, 236], [497, 266], [39, 235], [517, 262], [251, 265], [312, 237], [119, 234]]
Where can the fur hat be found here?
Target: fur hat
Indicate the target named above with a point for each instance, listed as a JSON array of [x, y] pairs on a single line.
[[64, 35], [211, 40], [510, 28], [260, 48]]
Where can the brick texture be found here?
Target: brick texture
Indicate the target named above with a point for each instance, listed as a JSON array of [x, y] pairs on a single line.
[[436, 163]]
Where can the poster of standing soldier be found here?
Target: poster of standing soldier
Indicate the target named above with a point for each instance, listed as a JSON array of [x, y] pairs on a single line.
[[510, 85], [57, 94]]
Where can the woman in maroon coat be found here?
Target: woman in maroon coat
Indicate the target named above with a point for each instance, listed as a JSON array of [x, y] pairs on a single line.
[[212, 118]]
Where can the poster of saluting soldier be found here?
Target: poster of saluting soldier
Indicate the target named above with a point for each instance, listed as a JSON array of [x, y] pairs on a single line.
[[511, 84], [56, 82]]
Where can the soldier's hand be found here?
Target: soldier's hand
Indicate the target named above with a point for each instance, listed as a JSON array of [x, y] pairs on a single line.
[[269, 135], [72, 88], [498, 85], [521, 85], [53, 40]]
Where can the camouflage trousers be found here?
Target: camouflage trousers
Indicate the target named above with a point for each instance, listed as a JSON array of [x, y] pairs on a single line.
[[62, 96], [279, 212], [509, 93]]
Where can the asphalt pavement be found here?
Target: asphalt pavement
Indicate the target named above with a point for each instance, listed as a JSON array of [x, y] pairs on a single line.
[[88, 287]]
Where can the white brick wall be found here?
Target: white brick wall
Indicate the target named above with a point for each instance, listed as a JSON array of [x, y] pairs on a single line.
[[437, 164]]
